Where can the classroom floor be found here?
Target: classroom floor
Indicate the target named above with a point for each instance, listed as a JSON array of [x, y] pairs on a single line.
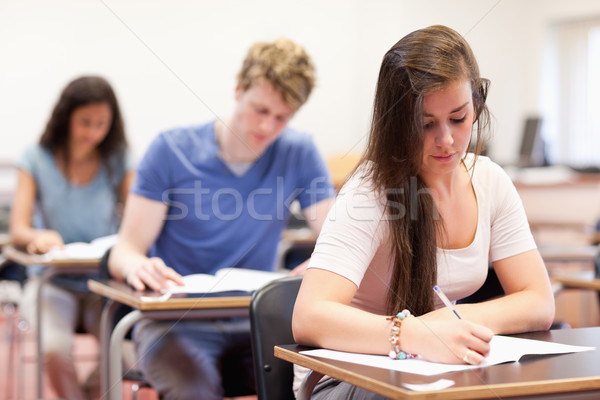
[[18, 357]]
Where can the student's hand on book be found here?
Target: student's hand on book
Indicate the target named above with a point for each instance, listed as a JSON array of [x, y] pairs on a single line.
[[44, 241], [153, 274], [454, 341]]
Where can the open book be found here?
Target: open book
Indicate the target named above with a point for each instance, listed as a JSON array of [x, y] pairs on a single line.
[[81, 250], [225, 280]]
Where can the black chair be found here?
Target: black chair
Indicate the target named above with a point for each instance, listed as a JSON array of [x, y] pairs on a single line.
[[271, 310], [491, 288]]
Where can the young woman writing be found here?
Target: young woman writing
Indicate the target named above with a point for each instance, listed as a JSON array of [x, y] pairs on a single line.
[[422, 211]]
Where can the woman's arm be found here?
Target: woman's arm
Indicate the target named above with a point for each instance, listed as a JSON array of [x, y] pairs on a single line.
[[21, 230], [142, 222], [529, 301], [323, 317]]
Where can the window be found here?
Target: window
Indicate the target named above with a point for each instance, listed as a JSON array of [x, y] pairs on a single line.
[[571, 94]]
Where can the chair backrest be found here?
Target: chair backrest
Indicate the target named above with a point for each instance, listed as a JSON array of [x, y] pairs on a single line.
[[490, 289], [271, 310]]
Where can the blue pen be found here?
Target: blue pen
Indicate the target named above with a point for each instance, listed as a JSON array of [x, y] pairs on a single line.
[[447, 302]]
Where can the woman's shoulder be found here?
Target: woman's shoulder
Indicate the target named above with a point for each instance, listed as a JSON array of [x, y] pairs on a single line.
[[36, 150], [488, 174], [360, 180], [34, 156], [483, 165]]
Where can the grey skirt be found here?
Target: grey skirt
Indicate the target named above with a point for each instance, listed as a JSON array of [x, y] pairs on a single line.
[[332, 389]]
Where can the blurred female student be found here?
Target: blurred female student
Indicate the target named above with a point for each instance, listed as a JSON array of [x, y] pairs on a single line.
[[420, 211], [71, 187]]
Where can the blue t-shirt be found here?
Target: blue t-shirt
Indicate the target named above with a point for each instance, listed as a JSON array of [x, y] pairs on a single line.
[[217, 219], [77, 213]]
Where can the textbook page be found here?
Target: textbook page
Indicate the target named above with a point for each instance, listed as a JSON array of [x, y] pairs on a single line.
[[502, 349], [83, 251], [225, 280]]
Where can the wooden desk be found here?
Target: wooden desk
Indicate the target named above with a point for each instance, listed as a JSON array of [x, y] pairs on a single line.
[[534, 377], [562, 214], [4, 239], [583, 280], [585, 254], [572, 203], [174, 308], [26, 259], [53, 268]]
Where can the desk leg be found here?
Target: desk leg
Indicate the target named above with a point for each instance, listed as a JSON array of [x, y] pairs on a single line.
[[115, 389], [44, 277], [106, 320], [308, 385], [38, 338], [48, 273]]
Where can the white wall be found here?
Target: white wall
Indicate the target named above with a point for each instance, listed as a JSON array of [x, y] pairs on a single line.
[[173, 62]]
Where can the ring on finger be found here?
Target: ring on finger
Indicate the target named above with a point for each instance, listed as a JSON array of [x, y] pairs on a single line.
[[466, 356]]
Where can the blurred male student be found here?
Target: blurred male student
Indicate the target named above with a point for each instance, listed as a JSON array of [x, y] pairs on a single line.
[[217, 195]]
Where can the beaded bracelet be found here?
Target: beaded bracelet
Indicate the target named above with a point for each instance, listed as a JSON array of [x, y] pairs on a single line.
[[396, 353]]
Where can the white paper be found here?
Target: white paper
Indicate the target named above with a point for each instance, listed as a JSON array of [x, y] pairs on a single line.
[[83, 251], [502, 349], [225, 280], [426, 387]]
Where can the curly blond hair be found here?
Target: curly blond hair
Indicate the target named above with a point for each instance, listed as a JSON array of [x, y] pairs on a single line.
[[285, 65]]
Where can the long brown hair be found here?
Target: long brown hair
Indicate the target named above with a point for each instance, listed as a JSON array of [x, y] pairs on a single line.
[[420, 63], [80, 92]]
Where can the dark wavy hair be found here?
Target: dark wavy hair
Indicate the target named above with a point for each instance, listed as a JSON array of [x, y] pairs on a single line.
[[421, 62], [80, 92]]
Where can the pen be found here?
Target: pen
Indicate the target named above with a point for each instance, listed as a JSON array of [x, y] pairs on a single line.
[[447, 302]]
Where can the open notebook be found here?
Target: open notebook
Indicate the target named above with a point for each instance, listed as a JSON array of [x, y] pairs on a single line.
[[225, 280], [81, 250], [503, 349]]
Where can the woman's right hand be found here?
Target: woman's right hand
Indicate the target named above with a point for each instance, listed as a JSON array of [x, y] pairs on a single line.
[[450, 341], [152, 273], [44, 241]]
